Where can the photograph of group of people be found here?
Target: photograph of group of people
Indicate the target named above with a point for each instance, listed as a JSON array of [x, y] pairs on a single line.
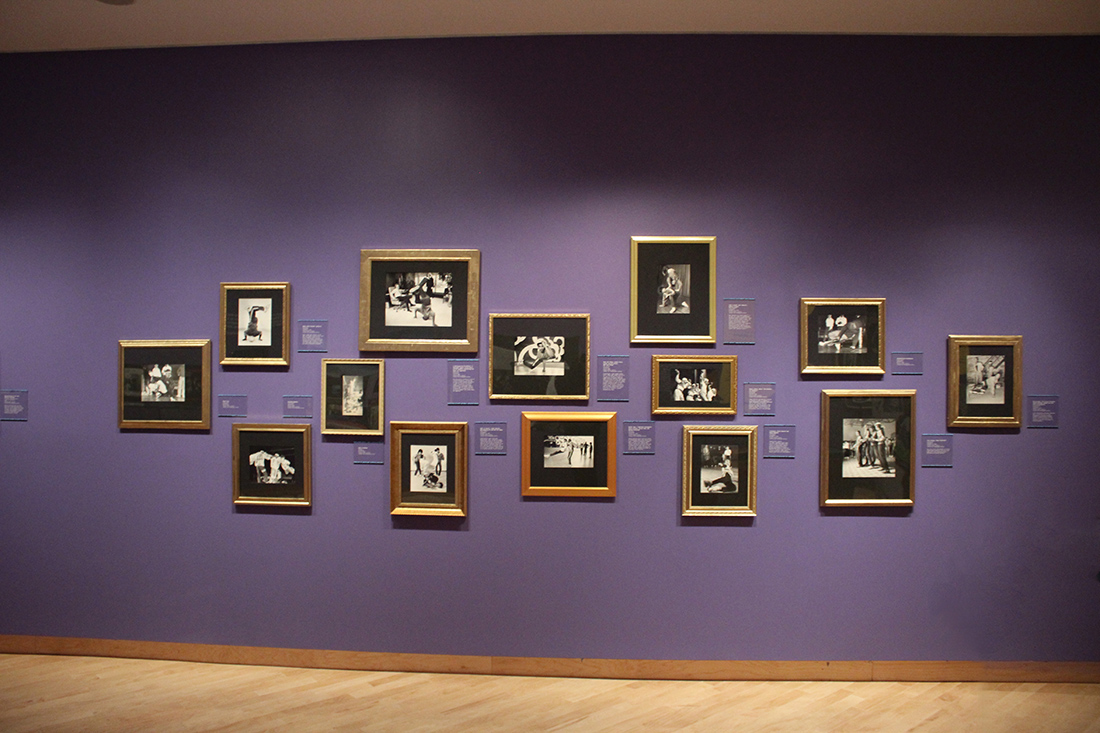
[[428, 469], [869, 448], [418, 299], [539, 356], [674, 289], [351, 404], [693, 386], [272, 467], [254, 319], [718, 471], [985, 379], [163, 383], [841, 334], [569, 451]]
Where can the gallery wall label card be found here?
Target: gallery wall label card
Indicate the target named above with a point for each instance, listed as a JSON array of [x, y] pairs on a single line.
[[612, 378], [907, 362], [760, 398], [492, 438], [14, 404], [232, 405], [372, 453], [779, 441], [297, 405], [639, 437], [1042, 411], [312, 336], [462, 381], [936, 450], [740, 317]]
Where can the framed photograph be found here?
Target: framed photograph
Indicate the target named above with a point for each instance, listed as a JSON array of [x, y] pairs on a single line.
[[867, 447], [538, 357], [428, 468], [568, 454], [164, 385], [694, 385], [719, 471], [985, 381], [271, 464], [842, 336], [255, 324], [419, 299], [672, 290], [352, 396]]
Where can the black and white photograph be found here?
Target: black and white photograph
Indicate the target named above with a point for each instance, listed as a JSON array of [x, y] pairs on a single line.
[[255, 324], [569, 451], [841, 333], [869, 448], [567, 454], [271, 464], [842, 336], [418, 299], [352, 396], [701, 384], [538, 356], [985, 379], [719, 471], [674, 289], [428, 468], [164, 384]]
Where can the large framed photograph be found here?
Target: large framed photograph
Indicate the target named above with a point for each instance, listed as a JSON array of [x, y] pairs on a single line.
[[719, 471], [272, 464], [672, 290], [867, 447], [428, 468], [255, 324], [985, 381], [164, 385], [568, 454], [842, 336], [694, 385], [538, 357], [352, 396], [419, 299]]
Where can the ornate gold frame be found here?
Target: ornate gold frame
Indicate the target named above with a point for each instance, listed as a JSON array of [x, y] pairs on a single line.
[[283, 291], [450, 507], [688, 507], [957, 346], [805, 304], [203, 423], [692, 408], [636, 334], [325, 428], [305, 497], [495, 395]]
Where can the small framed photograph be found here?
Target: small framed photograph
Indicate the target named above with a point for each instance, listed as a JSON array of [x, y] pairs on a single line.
[[719, 471], [985, 381], [568, 454], [419, 299], [867, 447], [842, 336], [255, 324], [538, 357], [428, 468], [352, 396], [672, 290], [694, 385], [164, 385], [271, 464]]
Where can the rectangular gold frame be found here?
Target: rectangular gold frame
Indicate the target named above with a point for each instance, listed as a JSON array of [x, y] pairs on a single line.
[[500, 393], [279, 433], [1011, 416], [691, 407], [850, 363], [186, 418], [453, 502], [647, 328], [461, 337], [606, 488], [277, 354], [692, 506], [328, 425]]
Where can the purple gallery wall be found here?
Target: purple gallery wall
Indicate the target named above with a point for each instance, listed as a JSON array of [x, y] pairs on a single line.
[[956, 177]]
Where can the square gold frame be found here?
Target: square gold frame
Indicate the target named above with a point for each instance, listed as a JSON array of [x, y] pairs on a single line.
[[648, 258], [726, 389], [332, 397], [595, 481], [693, 502], [870, 362], [449, 503], [278, 352], [193, 413], [298, 437], [575, 387], [1010, 412]]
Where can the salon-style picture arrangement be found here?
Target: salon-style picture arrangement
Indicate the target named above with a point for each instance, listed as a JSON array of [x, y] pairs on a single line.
[[428, 468], [842, 336], [672, 290], [538, 356], [568, 454], [985, 381], [353, 396], [272, 464], [255, 324], [719, 471], [164, 385], [693, 385]]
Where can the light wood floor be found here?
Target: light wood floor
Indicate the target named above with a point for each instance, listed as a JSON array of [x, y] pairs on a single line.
[[56, 693]]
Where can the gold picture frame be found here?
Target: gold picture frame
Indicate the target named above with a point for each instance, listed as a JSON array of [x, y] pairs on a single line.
[[419, 299], [985, 381], [842, 336], [541, 356], [272, 464], [719, 471], [353, 396], [164, 384], [568, 454], [693, 384], [428, 468], [255, 324], [673, 294]]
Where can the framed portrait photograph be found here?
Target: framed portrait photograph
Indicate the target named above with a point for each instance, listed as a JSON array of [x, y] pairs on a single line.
[[694, 385], [164, 385], [272, 464], [428, 468], [842, 336], [569, 454], [867, 447], [719, 471], [985, 381], [672, 290], [419, 299], [353, 396], [255, 324], [538, 357]]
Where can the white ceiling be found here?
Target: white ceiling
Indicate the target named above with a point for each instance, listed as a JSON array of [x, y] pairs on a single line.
[[37, 25]]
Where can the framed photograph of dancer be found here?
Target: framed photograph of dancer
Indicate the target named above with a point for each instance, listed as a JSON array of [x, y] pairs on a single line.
[[842, 336], [719, 471], [353, 396], [255, 324], [419, 299], [428, 468], [272, 464], [672, 290], [694, 385], [867, 447], [568, 454], [985, 381], [538, 357], [164, 385]]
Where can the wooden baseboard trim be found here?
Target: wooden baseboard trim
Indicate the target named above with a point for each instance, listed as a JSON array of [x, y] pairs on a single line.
[[656, 669]]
